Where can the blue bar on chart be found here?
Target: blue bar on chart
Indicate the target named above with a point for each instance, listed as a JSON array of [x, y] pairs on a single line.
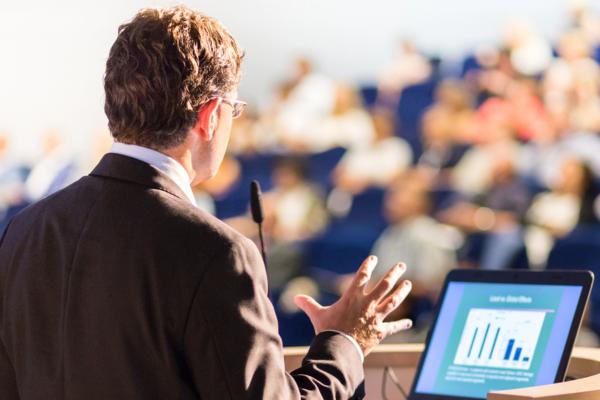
[[472, 342], [517, 354], [511, 343], [494, 343], [525, 359], [487, 329]]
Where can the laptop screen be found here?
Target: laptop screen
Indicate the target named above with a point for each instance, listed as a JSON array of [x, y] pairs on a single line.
[[493, 336]]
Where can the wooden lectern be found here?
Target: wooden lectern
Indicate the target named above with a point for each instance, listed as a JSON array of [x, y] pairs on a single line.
[[403, 359]]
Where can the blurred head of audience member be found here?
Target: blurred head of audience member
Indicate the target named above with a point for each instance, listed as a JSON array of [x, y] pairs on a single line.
[[348, 125], [377, 164], [553, 214], [294, 208], [446, 126], [530, 53], [497, 213], [309, 96], [408, 67], [415, 237]]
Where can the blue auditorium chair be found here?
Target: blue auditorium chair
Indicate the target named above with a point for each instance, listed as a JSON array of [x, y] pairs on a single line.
[[235, 201], [469, 64], [259, 167], [348, 241], [581, 250], [369, 96], [414, 101], [321, 165]]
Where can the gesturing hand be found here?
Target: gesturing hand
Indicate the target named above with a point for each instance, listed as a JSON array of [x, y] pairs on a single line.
[[361, 314]]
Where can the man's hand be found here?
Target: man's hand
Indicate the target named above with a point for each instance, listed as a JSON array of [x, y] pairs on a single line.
[[361, 314]]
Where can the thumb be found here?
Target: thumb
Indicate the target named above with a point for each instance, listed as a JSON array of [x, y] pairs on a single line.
[[309, 305]]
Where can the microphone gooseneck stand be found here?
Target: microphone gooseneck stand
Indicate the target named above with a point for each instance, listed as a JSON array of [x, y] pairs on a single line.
[[257, 215]]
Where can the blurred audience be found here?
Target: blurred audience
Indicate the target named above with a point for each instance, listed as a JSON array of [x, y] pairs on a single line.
[[407, 68], [349, 124], [416, 238], [55, 169], [446, 128], [553, 214], [498, 212], [304, 100], [377, 163], [459, 163], [294, 211]]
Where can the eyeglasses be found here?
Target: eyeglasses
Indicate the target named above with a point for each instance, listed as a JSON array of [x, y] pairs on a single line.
[[237, 106]]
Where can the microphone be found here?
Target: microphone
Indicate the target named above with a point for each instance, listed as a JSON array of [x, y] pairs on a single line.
[[257, 214]]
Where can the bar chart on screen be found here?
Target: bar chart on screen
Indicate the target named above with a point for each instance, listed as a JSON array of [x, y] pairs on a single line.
[[500, 338]]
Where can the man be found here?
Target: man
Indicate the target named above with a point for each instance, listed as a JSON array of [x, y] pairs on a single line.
[[415, 237], [118, 287]]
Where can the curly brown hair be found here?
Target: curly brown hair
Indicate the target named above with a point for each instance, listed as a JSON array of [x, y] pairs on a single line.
[[164, 65]]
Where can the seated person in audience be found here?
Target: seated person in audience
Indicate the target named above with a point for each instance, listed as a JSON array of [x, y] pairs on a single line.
[[570, 70], [530, 52], [349, 125], [445, 126], [523, 111], [377, 164], [294, 208], [498, 213], [408, 67], [541, 159], [308, 97], [294, 211], [472, 175], [416, 237], [555, 213], [497, 73]]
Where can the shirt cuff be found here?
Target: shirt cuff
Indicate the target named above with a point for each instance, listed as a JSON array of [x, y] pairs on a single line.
[[352, 340]]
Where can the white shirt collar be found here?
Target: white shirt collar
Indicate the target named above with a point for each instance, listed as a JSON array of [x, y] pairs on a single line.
[[161, 162]]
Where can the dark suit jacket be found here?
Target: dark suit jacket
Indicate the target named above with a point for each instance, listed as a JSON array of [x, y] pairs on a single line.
[[118, 288]]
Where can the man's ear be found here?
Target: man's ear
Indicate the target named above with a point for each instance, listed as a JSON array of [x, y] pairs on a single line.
[[207, 119]]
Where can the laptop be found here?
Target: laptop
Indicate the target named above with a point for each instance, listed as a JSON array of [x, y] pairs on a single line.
[[498, 330]]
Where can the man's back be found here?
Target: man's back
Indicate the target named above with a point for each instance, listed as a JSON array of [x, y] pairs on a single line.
[[118, 288], [98, 288]]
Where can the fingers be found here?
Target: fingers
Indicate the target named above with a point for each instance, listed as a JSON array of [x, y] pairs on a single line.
[[391, 328], [387, 282], [310, 307], [395, 299], [363, 275]]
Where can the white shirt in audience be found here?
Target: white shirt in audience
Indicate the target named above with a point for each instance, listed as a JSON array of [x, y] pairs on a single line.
[[350, 129], [378, 163]]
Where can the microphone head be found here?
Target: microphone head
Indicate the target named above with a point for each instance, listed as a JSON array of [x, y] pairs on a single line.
[[255, 202]]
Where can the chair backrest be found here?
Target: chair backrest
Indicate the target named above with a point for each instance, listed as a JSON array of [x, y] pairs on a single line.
[[367, 209], [321, 165], [414, 101], [581, 250]]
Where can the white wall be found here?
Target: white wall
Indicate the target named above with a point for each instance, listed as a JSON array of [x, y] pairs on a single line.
[[53, 52]]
